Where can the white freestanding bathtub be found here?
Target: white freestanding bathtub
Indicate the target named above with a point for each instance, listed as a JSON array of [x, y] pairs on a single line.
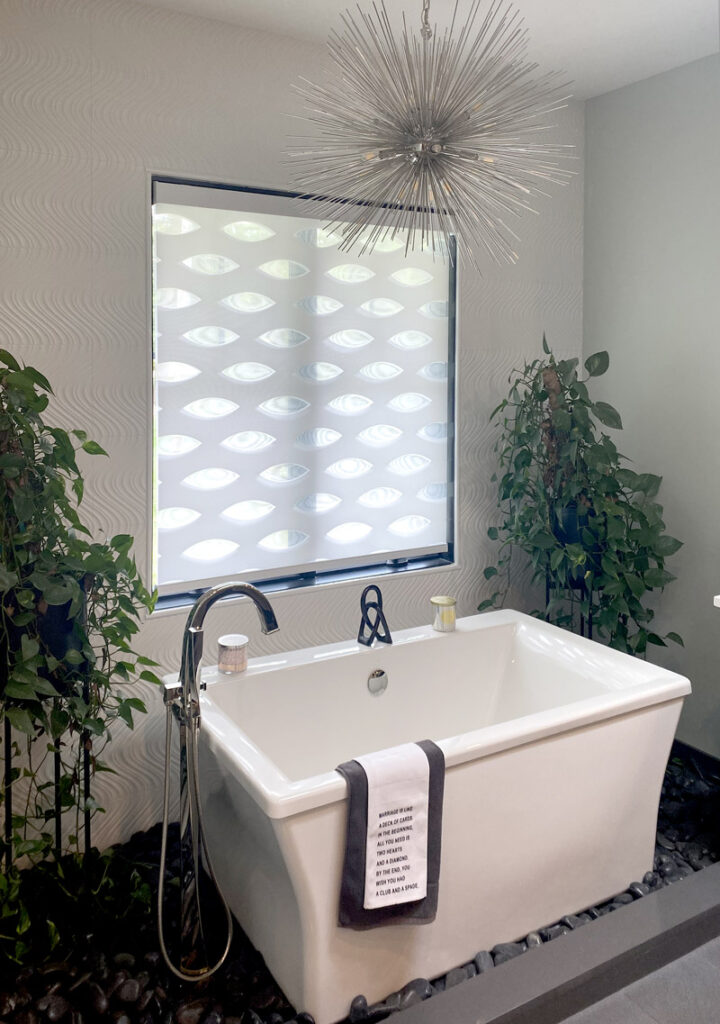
[[555, 748]]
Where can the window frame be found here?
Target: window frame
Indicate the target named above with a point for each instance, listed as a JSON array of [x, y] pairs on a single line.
[[364, 566]]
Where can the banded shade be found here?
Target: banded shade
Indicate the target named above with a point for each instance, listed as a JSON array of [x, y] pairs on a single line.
[[303, 410]]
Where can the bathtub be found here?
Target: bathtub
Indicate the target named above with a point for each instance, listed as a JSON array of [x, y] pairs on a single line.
[[555, 748]]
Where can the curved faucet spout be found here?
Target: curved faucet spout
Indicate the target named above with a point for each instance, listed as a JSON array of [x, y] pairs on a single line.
[[268, 622], [192, 646]]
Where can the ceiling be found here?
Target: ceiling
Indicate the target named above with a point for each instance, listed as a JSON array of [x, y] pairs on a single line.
[[600, 44]]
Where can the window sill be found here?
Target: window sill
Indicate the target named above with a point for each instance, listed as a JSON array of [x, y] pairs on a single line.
[[176, 604]]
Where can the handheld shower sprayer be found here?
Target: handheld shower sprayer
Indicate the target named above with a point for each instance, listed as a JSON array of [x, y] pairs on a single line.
[[182, 702]]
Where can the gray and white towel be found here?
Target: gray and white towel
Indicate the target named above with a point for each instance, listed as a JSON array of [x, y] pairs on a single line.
[[394, 831]]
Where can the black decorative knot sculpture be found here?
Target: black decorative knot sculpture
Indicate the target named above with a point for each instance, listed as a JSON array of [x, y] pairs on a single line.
[[378, 628]]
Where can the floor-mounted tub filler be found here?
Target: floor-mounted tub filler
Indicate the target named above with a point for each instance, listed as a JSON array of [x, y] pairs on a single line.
[[555, 748]]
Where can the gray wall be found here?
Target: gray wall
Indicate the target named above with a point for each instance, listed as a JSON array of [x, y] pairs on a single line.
[[96, 94], [652, 299]]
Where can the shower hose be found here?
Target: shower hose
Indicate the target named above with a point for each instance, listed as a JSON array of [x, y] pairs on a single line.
[[187, 974]]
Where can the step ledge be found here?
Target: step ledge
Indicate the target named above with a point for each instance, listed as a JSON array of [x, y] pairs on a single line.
[[551, 982]]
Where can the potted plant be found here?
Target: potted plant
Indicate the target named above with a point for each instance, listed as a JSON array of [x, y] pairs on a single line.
[[69, 607], [590, 526]]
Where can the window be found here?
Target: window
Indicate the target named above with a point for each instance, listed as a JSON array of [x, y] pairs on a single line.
[[303, 396]]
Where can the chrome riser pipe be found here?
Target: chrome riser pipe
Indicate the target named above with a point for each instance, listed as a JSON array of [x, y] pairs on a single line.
[[192, 939]]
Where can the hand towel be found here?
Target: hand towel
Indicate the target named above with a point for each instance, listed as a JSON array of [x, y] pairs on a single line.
[[393, 840]]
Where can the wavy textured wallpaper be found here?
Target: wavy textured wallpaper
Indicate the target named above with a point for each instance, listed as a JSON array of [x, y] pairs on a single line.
[[95, 95]]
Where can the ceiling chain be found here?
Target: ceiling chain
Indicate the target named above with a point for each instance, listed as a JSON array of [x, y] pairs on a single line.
[[425, 30]]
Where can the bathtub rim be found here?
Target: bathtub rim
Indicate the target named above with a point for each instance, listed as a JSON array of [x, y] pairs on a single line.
[[280, 797]]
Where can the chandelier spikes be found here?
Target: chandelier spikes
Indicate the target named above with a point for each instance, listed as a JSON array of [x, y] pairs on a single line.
[[429, 135]]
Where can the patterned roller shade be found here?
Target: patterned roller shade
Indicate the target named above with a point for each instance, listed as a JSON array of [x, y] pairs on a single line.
[[301, 412]]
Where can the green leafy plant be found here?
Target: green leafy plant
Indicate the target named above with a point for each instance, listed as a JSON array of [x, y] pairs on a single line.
[[590, 527], [56, 907], [69, 607]]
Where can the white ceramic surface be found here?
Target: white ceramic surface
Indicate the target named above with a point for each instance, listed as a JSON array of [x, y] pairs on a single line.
[[555, 748]]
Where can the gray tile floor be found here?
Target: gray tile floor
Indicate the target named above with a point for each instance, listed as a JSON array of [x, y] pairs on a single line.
[[686, 991]]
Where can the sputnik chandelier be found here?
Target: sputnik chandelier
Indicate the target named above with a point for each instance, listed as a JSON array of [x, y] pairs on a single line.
[[429, 135]]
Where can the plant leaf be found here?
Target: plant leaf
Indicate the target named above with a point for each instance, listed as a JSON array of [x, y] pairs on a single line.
[[636, 584], [597, 364], [37, 378], [7, 579], [658, 577], [9, 360], [44, 688], [59, 721], [607, 415], [94, 725], [29, 646], [125, 713], [627, 478], [150, 677], [20, 719], [653, 638], [556, 559], [93, 448], [562, 419], [615, 528], [57, 593], [19, 690], [648, 484], [666, 545], [122, 541]]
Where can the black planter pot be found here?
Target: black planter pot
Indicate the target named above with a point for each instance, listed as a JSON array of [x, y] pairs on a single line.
[[569, 523], [570, 520], [55, 630]]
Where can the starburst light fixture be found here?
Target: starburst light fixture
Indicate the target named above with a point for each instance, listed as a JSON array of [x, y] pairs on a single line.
[[429, 135]]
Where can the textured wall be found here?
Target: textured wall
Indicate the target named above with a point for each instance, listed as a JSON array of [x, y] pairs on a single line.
[[94, 96], [652, 266]]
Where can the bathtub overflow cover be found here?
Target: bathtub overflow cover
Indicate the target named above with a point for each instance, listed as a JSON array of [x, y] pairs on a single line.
[[377, 682]]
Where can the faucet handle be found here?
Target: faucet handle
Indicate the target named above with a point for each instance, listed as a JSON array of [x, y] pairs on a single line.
[[378, 629], [172, 691]]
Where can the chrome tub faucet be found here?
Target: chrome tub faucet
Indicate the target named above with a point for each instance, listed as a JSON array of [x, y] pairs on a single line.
[[182, 700], [192, 645]]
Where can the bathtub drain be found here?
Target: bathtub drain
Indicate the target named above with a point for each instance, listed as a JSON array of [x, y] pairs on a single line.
[[377, 682]]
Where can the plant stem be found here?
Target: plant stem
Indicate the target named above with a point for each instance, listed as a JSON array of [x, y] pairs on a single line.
[[85, 743], [84, 740], [57, 808], [7, 793]]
